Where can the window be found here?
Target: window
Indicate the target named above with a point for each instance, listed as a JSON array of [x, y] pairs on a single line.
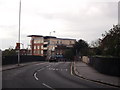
[[34, 41], [38, 52], [38, 47], [42, 47], [60, 42], [34, 47], [38, 41], [34, 52], [41, 52]]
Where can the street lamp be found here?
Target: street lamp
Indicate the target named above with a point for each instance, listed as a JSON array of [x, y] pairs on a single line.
[[51, 32], [19, 34]]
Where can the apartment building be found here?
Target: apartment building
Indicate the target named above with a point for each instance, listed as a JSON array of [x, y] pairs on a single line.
[[49, 45]]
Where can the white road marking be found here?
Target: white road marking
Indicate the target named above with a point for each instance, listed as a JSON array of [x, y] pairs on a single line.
[[48, 86], [71, 70], [48, 66], [40, 69], [57, 69], [35, 75], [40, 63]]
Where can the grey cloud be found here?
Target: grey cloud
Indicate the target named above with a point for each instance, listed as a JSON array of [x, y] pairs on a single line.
[[83, 25], [77, 24], [108, 9]]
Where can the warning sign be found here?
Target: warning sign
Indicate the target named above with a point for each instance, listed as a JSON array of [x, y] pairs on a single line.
[[18, 46]]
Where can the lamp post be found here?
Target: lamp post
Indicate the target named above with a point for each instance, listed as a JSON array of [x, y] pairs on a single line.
[[19, 33], [51, 32]]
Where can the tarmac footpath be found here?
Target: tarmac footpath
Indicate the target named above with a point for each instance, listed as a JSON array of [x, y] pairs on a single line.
[[84, 71]]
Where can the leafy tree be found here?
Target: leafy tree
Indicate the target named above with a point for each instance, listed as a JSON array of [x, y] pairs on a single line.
[[9, 52], [95, 44], [110, 43], [80, 48], [69, 54], [94, 48]]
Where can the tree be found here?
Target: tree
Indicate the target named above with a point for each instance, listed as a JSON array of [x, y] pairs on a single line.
[[80, 48], [95, 47], [69, 54], [110, 43], [9, 52], [96, 44]]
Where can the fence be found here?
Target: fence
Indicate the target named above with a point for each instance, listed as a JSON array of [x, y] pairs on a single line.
[[14, 59], [106, 65]]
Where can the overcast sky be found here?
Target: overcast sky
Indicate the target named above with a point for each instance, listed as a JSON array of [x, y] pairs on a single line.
[[69, 18]]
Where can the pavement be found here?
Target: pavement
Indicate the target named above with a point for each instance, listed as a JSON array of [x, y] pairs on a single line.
[[13, 66], [84, 71]]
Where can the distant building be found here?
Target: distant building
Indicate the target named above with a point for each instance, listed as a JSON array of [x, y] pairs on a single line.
[[49, 46]]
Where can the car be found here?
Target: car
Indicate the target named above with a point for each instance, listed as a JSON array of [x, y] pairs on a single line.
[[53, 59]]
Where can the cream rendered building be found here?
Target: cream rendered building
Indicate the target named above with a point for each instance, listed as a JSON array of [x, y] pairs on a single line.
[[48, 45]]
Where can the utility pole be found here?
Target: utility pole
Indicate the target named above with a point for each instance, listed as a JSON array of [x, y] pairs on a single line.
[[19, 34]]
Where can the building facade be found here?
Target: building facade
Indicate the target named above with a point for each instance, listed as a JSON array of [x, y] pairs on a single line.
[[49, 46]]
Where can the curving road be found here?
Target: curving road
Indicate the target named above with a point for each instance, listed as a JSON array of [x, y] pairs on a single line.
[[46, 75]]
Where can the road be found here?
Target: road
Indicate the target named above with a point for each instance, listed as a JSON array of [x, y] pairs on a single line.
[[46, 75]]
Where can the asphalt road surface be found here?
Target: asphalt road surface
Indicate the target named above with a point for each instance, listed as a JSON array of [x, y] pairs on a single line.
[[52, 75]]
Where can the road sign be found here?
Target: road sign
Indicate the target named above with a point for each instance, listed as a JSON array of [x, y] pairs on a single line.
[[18, 46]]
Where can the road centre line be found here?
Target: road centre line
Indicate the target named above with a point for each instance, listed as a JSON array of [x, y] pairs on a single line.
[[48, 86], [40, 63], [40, 69], [35, 75], [71, 69]]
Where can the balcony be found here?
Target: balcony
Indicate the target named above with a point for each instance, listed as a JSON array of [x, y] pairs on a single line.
[[45, 42], [45, 48], [69, 46]]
